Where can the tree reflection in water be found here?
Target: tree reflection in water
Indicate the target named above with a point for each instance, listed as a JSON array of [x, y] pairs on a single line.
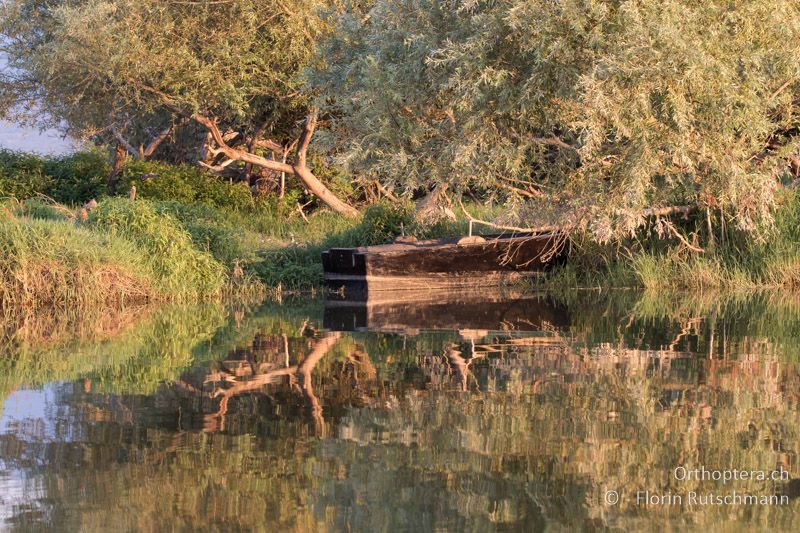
[[265, 421]]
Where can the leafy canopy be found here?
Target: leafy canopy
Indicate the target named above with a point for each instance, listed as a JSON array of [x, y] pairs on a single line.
[[591, 110], [88, 62]]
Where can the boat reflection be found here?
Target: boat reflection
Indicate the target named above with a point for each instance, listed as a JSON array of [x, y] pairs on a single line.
[[409, 312]]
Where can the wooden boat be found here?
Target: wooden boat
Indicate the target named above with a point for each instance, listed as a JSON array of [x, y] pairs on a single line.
[[408, 264]]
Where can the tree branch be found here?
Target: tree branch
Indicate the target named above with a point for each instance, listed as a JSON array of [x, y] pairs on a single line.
[[681, 238], [553, 141], [386, 192], [270, 145], [313, 184], [299, 169], [523, 192], [305, 139], [538, 229], [157, 140], [122, 141], [235, 153], [658, 211]]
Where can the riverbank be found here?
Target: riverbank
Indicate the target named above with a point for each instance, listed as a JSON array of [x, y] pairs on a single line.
[[189, 235], [722, 259], [127, 251]]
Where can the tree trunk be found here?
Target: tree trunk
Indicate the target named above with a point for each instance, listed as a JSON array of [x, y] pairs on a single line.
[[299, 168], [120, 156], [430, 208]]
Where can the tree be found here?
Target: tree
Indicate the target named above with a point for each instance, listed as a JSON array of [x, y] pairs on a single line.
[[589, 115], [229, 67]]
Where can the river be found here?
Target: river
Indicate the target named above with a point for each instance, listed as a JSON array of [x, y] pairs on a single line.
[[585, 411]]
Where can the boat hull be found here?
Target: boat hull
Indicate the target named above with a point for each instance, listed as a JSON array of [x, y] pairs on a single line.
[[442, 264]]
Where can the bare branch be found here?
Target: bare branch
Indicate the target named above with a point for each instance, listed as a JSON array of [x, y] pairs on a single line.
[[780, 89], [658, 211], [681, 238], [122, 141], [235, 153], [305, 139], [299, 169], [553, 141], [270, 145], [387, 193], [524, 192], [538, 229], [217, 168], [157, 140]]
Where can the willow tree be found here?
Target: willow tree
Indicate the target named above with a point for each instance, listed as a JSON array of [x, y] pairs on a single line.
[[590, 115], [230, 68]]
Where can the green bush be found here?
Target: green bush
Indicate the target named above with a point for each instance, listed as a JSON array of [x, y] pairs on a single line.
[[220, 233], [77, 178], [178, 266], [72, 179], [183, 183], [383, 222], [22, 175], [292, 267]]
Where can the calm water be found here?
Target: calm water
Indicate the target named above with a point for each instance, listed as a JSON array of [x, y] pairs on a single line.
[[510, 415], [19, 138]]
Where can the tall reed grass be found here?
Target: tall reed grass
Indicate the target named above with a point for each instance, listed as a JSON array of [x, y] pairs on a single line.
[[731, 260], [125, 252]]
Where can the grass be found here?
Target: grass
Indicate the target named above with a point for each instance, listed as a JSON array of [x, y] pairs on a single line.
[[731, 260], [123, 253], [176, 266]]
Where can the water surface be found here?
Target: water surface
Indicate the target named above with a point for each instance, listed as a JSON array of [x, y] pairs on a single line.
[[487, 414]]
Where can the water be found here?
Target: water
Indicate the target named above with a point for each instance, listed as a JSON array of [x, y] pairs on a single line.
[[481, 415], [27, 139]]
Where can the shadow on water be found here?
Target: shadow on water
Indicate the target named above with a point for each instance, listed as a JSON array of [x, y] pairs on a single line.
[[489, 412]]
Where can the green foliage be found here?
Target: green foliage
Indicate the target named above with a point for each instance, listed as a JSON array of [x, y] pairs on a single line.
[[91, 62], [71, 179], [22, 175], [273, 205], [734, 261], [179, 268], [605, 108], [333, 176], [294, 268], [183, 183], [223, 234], [78, 177], [384, 221]]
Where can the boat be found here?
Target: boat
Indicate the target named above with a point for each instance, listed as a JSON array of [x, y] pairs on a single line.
[[409, 264]]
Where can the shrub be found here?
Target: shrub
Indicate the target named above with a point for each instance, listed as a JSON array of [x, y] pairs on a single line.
[[71, 179], [292, 267], [383, 222], [179, 268], [78, 177], [22, 175], [222, 234], [183, 183]]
